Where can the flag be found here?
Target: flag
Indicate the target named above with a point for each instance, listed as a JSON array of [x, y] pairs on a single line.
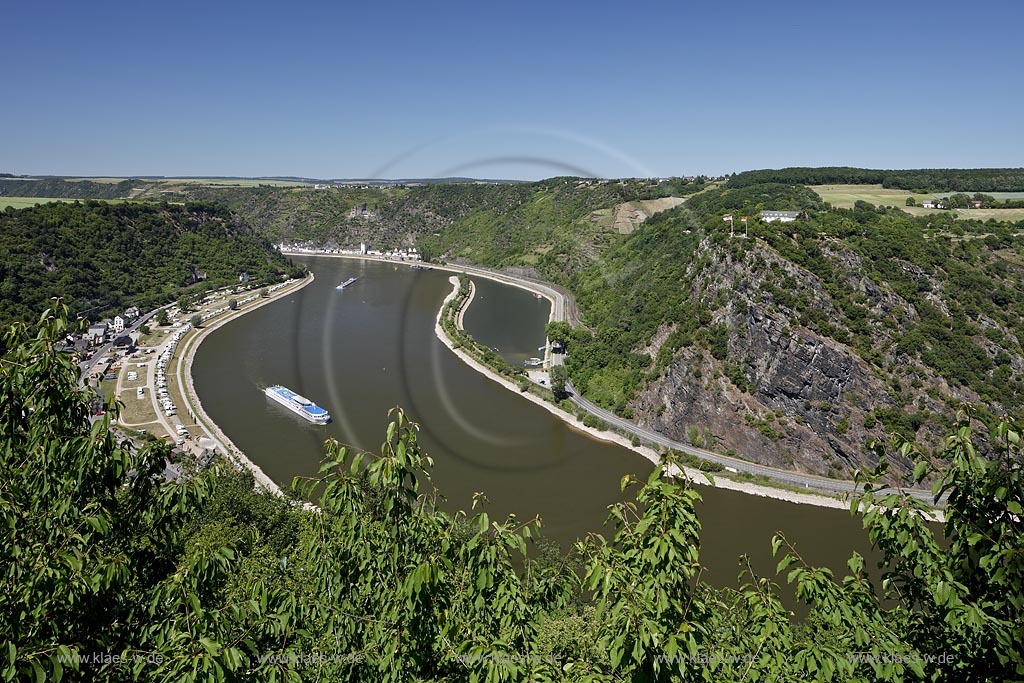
[[744, 219], [727, 218]]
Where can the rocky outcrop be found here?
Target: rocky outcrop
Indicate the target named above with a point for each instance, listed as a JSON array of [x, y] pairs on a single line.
[[785, 394]]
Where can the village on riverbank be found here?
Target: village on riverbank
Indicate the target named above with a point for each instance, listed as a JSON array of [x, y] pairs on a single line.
[[143, 362]]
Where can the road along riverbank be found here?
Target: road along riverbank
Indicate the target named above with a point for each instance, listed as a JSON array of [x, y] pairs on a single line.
[[184, 370]]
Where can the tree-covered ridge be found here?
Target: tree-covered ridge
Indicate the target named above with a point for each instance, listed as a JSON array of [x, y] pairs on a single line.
[[842, 325], [67, 189], [303, 214], [112, 573], [98, 256], [925, 179]]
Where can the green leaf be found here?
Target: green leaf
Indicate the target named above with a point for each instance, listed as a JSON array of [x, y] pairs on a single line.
[[58, 670], [210, 646]]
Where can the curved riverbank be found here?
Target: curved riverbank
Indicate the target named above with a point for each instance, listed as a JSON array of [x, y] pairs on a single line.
[[465, 304], [188, 390]]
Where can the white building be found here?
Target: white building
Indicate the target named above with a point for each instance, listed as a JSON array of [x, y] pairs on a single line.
[[118, 324], [780, 216]]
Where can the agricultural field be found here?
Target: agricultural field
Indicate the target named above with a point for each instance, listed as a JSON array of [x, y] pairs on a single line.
[[623, 218], [230, 182], [844, 196], [108, 181], [971, 214], [23, 202], [1001, 196]]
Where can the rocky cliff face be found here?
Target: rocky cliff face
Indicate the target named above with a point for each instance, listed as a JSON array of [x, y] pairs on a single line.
[[780, 392]]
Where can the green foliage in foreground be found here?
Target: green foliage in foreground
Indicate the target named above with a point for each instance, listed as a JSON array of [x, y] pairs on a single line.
[[111, 573]]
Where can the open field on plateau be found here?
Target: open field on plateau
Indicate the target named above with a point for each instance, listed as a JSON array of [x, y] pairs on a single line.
[[22, 202], [1001, 196], [973, 214], [109, 181], [844, 196], [229, 182]]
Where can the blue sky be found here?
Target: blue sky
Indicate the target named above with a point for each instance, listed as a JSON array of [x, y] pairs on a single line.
[[514, 90]]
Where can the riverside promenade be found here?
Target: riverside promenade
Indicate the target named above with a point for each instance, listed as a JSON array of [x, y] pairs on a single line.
[[193, 405]]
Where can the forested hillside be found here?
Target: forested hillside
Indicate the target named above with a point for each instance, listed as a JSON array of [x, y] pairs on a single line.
[[111, 572], [99, 256], [922, 180], [65, 189], [547, 225], [797, 344], [304, 214]]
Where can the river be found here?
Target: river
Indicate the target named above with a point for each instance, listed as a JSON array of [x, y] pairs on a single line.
[[370, 347]]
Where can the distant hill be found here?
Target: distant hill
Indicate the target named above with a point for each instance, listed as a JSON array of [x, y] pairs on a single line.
[[99, 256]]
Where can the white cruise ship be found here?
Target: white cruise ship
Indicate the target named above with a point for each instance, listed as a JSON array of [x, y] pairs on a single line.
[[298, 404]]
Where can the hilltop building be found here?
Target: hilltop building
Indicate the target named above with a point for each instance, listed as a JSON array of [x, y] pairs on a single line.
[[779, 216]]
